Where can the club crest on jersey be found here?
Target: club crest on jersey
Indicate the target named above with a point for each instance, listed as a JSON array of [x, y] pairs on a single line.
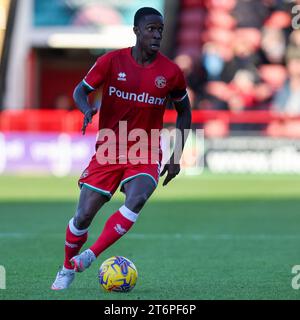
[[122, 76], [160, 82]]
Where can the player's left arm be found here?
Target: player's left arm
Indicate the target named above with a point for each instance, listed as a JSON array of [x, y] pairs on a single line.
[[183, 125]]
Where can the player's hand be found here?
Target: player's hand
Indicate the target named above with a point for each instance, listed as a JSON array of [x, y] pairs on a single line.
[[88, 116], [173, 169]]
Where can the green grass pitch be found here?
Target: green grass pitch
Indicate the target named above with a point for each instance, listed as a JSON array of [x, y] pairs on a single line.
[[204, 237]]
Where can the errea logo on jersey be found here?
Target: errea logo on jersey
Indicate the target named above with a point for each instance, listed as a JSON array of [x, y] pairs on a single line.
[[131, 96], [122, 76]]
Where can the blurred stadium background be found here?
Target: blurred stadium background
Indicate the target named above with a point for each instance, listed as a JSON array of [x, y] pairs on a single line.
[[235, 207]]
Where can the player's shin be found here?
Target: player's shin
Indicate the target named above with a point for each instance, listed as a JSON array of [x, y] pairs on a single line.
[[75, 239], [116, 226]]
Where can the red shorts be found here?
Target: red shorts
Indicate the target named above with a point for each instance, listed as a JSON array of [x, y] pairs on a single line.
[[106, 179]]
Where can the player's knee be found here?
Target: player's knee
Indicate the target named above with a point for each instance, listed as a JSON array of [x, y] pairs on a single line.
[[82, 218], [136, 202]]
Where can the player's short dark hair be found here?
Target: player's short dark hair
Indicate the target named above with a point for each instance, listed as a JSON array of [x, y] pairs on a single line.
[[145, 11]]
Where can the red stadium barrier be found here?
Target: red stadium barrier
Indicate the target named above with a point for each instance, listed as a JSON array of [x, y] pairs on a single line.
[[202, 116], [71, 121]]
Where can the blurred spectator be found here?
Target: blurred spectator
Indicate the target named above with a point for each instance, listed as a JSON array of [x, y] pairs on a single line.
[[245, 56], [219, 18], [213, 62], [287, 100], [242, 91], [215, 96], [273, 46], [194, 74], [273, 75], [278, 19], [250, 13]]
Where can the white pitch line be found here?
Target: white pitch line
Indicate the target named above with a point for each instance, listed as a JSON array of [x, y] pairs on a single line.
[[196, 236], [15, 235], [161, 236]]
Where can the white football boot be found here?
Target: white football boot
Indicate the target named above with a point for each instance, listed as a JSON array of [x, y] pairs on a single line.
[[83, 260], [63, 279]]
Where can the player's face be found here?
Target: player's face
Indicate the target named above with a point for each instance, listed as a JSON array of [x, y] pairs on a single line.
[[149, 33]]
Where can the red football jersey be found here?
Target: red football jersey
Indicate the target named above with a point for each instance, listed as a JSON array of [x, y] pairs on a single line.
[[134, 94]]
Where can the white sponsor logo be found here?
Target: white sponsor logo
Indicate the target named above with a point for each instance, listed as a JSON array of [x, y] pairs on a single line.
[[131, 96], [122, 76], [160, 82], [71, 245], [119, 229]]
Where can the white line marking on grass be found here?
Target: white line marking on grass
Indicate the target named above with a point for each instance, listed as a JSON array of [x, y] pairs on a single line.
[[15, 235], [161, 236], [197, 236]]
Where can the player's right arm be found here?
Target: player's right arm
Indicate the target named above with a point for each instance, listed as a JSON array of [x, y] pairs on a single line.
[[93, 80], [80, 96]]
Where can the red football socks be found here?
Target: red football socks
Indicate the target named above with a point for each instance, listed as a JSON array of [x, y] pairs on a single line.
[[116, 226], [75, 239]]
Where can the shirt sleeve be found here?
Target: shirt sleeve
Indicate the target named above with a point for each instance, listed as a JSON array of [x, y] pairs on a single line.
[[97, 74], [178, 91]]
